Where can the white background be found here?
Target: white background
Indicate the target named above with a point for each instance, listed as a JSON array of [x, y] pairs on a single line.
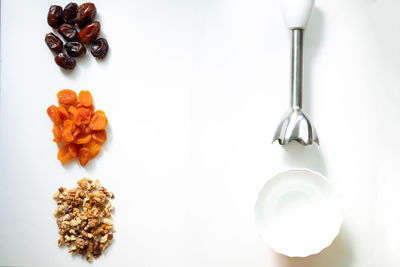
[[193, 90]]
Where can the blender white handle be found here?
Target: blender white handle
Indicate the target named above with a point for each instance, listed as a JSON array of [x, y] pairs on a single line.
[[297, 12]]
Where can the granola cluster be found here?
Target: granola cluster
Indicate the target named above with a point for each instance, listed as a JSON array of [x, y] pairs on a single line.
[[84, 218]]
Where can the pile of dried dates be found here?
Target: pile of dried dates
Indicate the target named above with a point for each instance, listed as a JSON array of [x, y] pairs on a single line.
[[77, 26]]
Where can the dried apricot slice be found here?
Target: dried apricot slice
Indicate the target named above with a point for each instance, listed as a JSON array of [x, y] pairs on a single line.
[[73, 150], [83, 139], [84, 155], [82, 116], [54, 114], [99, 136], [67, 97], [63, 153], [69, 128], [64, 115], [79, 105], [56, 133], [85, 129], [99, 121], [76, 132], [91, 108], [93, 147], [72, 111], [85, 98]]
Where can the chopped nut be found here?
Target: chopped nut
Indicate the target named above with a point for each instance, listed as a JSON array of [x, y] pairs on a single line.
[[65, 224], [92, 223], [83, 183], [72, 250], [96, 184], [85, 234], [104, 239], [75, 222], [107, 221], [61, 241], [80, 243], [84, 218]]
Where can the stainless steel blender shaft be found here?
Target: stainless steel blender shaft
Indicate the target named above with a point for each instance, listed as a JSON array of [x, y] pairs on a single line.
[[296, 68]]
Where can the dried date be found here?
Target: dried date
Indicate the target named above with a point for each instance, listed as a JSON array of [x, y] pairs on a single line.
[[75, 49], [68, 32], [85, 14], [90, 32], [100, 48], [54, 43], [65, 61], [54, 17], [69, 14]]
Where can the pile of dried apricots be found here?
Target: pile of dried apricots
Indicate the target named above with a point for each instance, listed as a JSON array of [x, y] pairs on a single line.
[[77, 127]]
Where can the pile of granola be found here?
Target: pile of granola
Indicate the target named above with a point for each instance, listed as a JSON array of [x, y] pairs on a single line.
[[84, 218]]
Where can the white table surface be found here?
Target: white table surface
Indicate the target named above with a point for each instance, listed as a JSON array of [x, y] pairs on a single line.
[[193, 91]]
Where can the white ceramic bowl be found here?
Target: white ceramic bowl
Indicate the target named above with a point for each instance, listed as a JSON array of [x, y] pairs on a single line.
[[297, 213]]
